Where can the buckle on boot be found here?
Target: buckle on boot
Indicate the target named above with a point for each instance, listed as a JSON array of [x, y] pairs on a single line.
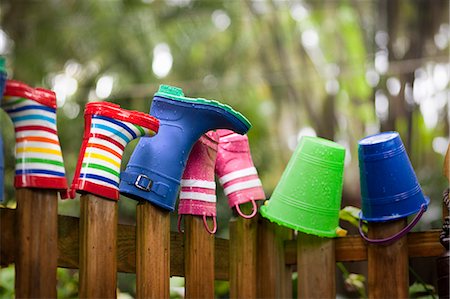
[[143, 182]]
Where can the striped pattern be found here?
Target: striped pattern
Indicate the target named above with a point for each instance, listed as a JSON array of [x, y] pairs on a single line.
[[38, 152], [104, 149], [198, 190], [240, 180]]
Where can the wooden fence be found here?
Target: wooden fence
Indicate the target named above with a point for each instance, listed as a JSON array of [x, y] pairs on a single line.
[[258, 259]]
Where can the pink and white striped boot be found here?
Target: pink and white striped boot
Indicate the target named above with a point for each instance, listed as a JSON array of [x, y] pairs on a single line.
[[236, 171], [198, 188]]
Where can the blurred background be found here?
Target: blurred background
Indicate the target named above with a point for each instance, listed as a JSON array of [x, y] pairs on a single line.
[[335, 69]]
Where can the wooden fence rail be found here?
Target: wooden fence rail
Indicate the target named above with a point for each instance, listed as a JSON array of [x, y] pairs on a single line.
[[348, 249]]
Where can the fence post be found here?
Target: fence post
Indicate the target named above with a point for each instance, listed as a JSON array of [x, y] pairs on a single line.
[[316, 266], [243, 248], [198, 258], [387, 264], [152, 251], [98, 247], [274, 278], [37, 243]]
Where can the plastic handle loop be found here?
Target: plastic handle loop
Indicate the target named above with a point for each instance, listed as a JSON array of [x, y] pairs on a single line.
[[254, 211], [179, 224], [205, 223], [398, 235], [213, 231]]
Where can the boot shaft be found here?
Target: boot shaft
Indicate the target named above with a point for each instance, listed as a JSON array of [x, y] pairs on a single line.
[[156, 166], [236, 171], [198, 188], [108, 129], [39, 161]]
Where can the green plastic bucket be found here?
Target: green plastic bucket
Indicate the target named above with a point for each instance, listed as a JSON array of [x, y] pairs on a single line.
[[308, 195]]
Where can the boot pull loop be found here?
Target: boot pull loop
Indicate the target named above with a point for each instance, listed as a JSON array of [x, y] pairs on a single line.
[[205, 223], [179, 224], [254, 210], [396, 236]]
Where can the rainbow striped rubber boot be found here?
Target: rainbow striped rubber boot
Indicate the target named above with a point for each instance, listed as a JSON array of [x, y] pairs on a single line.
[[2, 87], [156, 166], [198, 188], [107, 130], [237, 173], [39, 161]]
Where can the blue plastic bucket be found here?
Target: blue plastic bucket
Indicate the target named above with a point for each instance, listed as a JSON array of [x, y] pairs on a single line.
[[389, 186]]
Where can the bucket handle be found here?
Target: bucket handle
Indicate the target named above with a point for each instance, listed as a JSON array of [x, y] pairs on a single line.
[[213, 231], [254, 210], [398, 235]]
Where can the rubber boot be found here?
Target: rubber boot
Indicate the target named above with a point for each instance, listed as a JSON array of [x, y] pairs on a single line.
[[39, 161], [236, 171], [198, 188], [157, 164], [2, 87], [107, 130]]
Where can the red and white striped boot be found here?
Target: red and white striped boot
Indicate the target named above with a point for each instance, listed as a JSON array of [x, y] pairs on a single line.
[[236, 171], [108, 129], [198, 188]]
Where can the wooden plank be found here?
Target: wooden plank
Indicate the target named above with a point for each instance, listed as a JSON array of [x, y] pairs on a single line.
[[353, 248], [243, 248], [7, 236], [348, 249], [221, 265], [316, 267], [98, 247], [387, 264], [152, 251], [198, 258], [274, 277], [36, 243]]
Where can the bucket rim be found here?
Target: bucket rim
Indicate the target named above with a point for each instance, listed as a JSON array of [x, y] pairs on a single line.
[[396, 216], [307, 230]]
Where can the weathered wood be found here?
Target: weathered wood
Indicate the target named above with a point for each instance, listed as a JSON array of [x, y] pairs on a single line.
[[354, 249], [36, 226], [198, 258], [387, 264], [7, 236], [274, 277], [98, 247], [351, 248], [348, 249], [152, 251], [316, 266], [243, 248]]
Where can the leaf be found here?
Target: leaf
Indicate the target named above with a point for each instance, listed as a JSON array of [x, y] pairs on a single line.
[[351, 215], [420, 290]]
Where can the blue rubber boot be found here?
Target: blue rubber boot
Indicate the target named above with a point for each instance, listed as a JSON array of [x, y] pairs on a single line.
[[157, 164], [2, 88]]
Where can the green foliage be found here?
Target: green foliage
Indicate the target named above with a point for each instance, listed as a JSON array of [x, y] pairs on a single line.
[[67, 283], [259, 62], [351, 215], [423, 291], [7, 282]]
